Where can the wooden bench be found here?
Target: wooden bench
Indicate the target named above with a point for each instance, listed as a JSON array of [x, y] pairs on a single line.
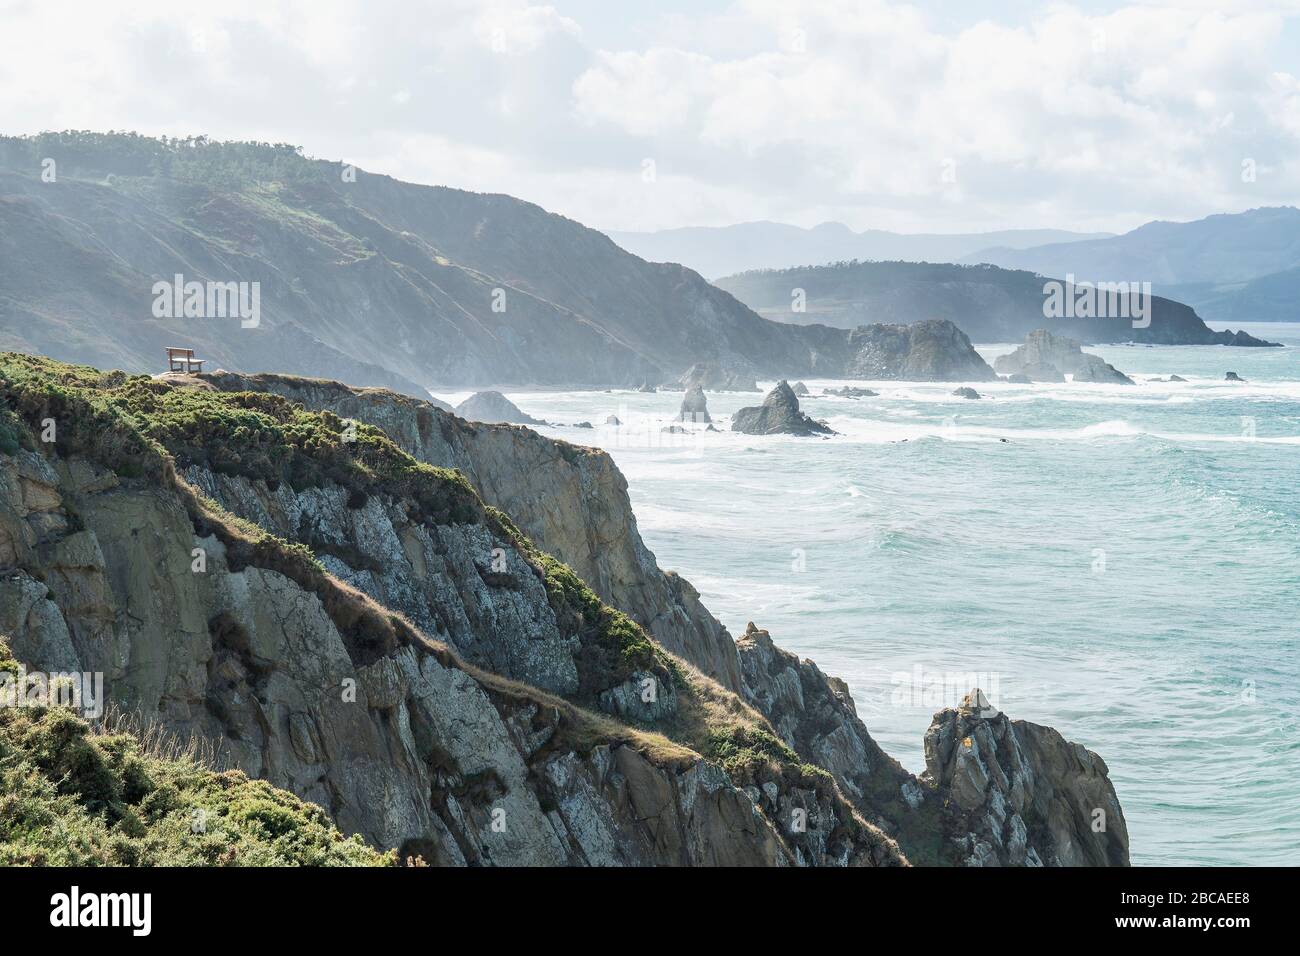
[[183, 360]]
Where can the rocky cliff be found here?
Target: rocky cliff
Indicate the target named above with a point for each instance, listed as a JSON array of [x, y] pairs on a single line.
[[356, 626], [214, 627], [996, 792], [1019, 794], [570, 499]]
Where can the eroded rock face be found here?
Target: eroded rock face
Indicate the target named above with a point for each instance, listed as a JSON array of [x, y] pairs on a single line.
[[1046, 357], [1019, 794], [409, 748], [494, 408], [778, 415], [815, 715], [695, 407], [457, 583], [572, 501]]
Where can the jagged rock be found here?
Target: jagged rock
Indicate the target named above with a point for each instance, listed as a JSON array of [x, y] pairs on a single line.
[[800, 389], [850, 391], [1176, 378], [612, 420], [1019, 378], [675, 430], [814, 714], [778, 415], [933, 350], [1047, 357], [647, 388], [966, 392], [1020, 794], [494, 408], [1233, 377], [582, 425], [643, 697], [695, 408]]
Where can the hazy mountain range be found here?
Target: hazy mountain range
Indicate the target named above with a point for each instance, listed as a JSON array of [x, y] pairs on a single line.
[[1243, 267], [724, 250], [988, 303]]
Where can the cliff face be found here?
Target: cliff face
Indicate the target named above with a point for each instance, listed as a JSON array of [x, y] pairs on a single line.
[[571, 500], [214, 628], [436, 682], [409, 748]]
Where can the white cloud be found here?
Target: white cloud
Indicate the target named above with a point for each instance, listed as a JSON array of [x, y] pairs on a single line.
[[848, 109]]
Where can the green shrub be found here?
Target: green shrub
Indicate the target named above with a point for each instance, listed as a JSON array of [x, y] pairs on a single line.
[[72, 797]]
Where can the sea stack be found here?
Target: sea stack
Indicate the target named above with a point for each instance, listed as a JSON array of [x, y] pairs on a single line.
[[695, 407], [494, 408], [778, 415], [1047, 357]]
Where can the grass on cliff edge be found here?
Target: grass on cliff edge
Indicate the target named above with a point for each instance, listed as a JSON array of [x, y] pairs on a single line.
[[72, 797], [143, 428]]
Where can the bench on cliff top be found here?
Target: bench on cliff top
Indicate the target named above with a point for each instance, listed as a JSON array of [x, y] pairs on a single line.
[[182, 360]]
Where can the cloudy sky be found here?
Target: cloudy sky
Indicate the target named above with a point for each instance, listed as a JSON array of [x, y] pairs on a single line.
[[939, 115]]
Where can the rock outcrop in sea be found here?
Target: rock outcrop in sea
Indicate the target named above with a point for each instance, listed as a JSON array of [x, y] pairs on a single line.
[[850, 391], [1048, 357], [966, 392], [778, 415], [494, 408], [933, 350], [695, 407]]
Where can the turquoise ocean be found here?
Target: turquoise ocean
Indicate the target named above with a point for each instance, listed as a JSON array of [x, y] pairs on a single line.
[[1124, 567]]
